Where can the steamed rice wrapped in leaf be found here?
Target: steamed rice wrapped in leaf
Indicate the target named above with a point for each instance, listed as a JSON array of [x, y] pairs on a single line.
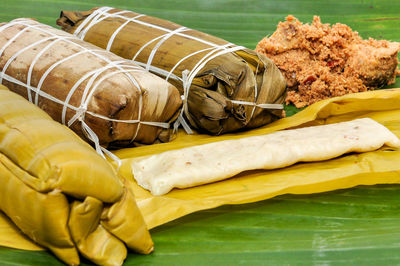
[[226, 87], [102, 97]]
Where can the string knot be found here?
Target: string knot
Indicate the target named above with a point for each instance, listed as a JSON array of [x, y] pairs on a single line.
[[79, 115], [81, 112]]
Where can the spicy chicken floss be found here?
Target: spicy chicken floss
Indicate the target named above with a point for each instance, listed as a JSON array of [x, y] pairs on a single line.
[[320, 61]]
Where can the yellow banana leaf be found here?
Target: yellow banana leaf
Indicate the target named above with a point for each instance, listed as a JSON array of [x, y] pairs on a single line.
[[11, 236], [378, 167]]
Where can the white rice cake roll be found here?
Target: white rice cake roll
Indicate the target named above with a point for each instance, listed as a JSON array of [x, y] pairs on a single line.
[[216, 161]]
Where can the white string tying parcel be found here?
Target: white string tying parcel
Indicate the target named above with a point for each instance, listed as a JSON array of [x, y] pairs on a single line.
[[111, 41], [158, 45], [96, 20], [188, 77], [122, 66], [103, 13]]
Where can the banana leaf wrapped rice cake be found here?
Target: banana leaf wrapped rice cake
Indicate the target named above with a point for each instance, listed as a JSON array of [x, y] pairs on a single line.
[[104, 98], [59, 192], [224, 87]]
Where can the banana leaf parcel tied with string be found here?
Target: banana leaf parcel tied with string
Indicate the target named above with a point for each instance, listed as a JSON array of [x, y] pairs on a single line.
[[224, 87], [104, 98], [59, 192]]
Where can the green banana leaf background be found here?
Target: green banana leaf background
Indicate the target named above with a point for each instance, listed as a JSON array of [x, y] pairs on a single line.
[[353, 226]]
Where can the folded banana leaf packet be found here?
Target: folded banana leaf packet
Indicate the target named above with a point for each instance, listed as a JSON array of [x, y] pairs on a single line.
[[225, 87], [60, 193]]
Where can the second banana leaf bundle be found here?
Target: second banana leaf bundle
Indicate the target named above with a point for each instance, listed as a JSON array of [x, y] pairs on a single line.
[[224, 87], [59, 192]]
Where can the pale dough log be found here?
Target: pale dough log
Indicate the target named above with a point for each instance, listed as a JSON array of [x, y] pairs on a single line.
[[220, 160]]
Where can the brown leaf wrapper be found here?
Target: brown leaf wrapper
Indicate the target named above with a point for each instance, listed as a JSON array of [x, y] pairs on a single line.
[[133, 95], [239, 75]]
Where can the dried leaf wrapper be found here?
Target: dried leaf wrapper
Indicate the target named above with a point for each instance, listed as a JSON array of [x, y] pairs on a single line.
[[102, 97], [225, 87]]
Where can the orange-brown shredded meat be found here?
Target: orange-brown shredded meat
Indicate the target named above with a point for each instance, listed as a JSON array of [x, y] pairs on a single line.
[[321, 61]]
